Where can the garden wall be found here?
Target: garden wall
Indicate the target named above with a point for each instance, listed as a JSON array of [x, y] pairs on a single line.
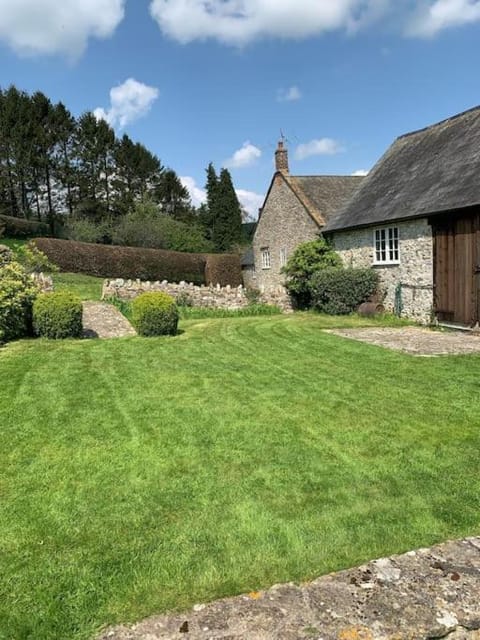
[[216, 297]]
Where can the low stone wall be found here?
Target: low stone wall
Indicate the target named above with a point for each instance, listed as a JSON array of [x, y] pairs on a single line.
[[43, 282], [197, 296]]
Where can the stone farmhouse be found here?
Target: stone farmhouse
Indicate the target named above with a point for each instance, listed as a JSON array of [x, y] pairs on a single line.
[[295, 210], [416, 219]]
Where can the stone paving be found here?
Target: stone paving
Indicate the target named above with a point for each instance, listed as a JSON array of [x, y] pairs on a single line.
[[103, 320], [420, 595], [415, 340]]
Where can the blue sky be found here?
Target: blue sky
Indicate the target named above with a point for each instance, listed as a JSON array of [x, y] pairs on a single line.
[[217, 80]]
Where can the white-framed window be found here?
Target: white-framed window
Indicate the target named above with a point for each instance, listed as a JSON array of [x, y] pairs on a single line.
[[283, 257], [266, 262], [386, 245]]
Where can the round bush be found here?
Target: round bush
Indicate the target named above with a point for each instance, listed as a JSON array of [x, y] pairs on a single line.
[[57, 315], [155, 314]]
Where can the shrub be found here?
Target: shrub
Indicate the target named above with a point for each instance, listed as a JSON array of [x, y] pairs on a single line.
[[155, 314], [107, 261], [57, 315], [22, 228], [17, 293], [85, 230], [308, 259], [339, 291], [6, 255], [33, 260], [147, 227]]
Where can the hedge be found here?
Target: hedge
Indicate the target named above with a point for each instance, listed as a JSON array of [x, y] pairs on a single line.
[[17, 293], [21, 228], [57, 315], [223, 269], [339, 291], [155, 314], [107, 261]]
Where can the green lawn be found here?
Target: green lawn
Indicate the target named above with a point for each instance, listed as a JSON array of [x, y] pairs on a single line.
[[143, 475], [87, 287]]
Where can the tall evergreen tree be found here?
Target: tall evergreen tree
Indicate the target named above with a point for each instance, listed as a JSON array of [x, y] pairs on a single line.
[[227, 229]]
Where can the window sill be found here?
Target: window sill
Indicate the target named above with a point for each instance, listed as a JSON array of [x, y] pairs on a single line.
[[387, 263]]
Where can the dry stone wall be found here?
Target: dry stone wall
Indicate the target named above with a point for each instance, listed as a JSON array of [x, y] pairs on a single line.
[[216, 297], [407, 285]]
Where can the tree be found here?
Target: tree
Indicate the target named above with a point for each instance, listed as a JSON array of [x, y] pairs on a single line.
[[227, 228], [173, 197]]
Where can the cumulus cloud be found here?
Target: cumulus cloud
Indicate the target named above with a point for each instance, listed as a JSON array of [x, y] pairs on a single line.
[[128, 102], [289, 95], [249, 200], [241, 21], [444, 14], [33, 27], [360, 172], [244, 157], [320, 147]]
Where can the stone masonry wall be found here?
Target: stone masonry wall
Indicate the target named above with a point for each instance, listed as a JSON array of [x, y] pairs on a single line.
[[284, 224], [214, 297], [414, 273]]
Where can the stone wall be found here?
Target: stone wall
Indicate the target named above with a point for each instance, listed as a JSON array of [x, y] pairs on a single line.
[[283, 225], [198, 296], [408, 284]]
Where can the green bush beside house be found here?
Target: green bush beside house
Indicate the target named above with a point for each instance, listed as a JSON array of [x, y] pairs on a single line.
[[155, 314]]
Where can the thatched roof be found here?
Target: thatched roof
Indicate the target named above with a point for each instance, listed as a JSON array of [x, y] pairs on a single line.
[[426, 172], [324, 195]]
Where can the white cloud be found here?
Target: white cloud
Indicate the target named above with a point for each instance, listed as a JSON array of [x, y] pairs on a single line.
[[241, 21], [360, 172], [320, 147], [289, 95], [444, 14], [244, 157], [33, 27], [249, 200], [128, 102], [198, 195]]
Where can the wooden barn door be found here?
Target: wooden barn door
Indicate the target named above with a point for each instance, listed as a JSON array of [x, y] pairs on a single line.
[[457, 269]]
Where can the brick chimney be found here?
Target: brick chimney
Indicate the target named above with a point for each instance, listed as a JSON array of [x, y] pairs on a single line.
[[281, 158]]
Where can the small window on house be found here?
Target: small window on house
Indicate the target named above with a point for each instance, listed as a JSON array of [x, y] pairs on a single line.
[[266, 263], [283, 257], [387, 249]]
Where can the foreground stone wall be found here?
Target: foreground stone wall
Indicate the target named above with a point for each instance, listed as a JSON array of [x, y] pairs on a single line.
[[420, 595], [197, 296], [411, 281]]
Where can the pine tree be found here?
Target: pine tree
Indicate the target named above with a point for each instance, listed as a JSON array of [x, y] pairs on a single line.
[[227, 214]]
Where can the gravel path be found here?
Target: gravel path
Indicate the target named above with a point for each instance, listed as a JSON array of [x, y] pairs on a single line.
[[421, 595], [416, 341], [102, 320]]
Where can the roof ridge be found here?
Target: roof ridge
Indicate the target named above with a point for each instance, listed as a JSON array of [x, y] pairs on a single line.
[[436, 124], [326, 175]]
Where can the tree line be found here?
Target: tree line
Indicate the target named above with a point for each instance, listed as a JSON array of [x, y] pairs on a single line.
[[59, 168]]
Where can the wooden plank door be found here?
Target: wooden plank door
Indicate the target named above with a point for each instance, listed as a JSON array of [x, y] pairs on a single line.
[[457, 269]]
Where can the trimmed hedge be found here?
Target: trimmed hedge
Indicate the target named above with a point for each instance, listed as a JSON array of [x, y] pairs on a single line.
[[155, 314], [223, 269], [57, 315], [339, 291], [107, 261], [21, 228]]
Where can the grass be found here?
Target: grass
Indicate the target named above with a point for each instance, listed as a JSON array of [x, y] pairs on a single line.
[[13, 243], [143, 475], [87, 287]]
